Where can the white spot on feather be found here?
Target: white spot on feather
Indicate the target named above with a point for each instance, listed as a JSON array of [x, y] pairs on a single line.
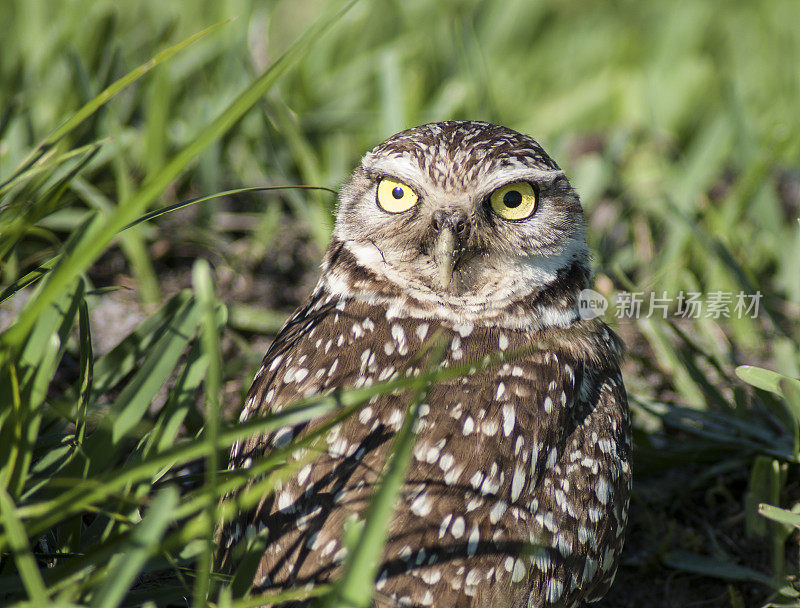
[[603, 491], [302, 475], [472, 541], [554, 590], [509, 418], [275, 363], [503, 342], [364, 415], [399, 336], [469, 426], [457, 529], [444, 524], [421, 505], [464, 329], [517, 483], [498, 510], [519, 571]]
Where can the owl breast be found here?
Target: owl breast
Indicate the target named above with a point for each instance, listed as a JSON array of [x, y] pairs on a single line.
[[518, 490]]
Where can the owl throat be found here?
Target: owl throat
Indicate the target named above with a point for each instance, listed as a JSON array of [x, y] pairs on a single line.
[[530, 296]]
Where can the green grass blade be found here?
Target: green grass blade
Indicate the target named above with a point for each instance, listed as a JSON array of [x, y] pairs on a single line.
[[36, 367], [11, 422], [87, 371], [356, 586], [81, 493], [718, 568], [161, 359], [132, 242], [765, 379], [95, 104], [204, 287], [656, 332], [112, 367], [791, 395], [783, 516], [102, 448], [201, 199], [180, 406], [143, 543], [255, 318], [100, 232], [28, 279], [50, 163], [21, 550], [45, 268], [272, 598]]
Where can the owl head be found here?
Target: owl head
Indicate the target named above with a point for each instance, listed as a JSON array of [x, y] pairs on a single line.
[[460, 218]]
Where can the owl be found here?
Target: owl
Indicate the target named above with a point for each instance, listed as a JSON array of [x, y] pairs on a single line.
[[465, 234]]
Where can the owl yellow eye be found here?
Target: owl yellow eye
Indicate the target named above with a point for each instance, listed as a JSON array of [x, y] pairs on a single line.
[[395, 197], [515, 201]]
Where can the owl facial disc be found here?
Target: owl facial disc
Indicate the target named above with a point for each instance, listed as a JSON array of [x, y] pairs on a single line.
[[462, 220]]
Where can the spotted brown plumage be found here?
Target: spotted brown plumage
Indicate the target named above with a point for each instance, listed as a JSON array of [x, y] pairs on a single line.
[[518, 491]]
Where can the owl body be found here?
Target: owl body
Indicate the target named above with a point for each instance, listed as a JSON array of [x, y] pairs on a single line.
[[518, 490]]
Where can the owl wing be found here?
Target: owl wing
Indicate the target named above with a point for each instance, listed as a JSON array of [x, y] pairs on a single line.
[[284, 377], [304, 359], [534, 451], [329, 343], [519, 488], [582, 498]]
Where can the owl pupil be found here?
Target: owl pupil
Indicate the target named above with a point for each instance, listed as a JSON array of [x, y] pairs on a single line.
[[512, 199], [397, 192]]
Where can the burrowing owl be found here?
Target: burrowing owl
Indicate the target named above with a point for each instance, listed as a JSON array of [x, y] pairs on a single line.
[[518, 492]]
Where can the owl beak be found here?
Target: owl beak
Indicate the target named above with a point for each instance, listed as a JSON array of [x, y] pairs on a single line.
[[452, 230], [444, 255]]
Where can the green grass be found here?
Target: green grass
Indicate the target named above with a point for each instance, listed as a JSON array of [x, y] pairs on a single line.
[[676, 121]]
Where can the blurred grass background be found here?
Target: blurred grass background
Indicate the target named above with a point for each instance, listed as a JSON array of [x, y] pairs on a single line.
[[677, 122]]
